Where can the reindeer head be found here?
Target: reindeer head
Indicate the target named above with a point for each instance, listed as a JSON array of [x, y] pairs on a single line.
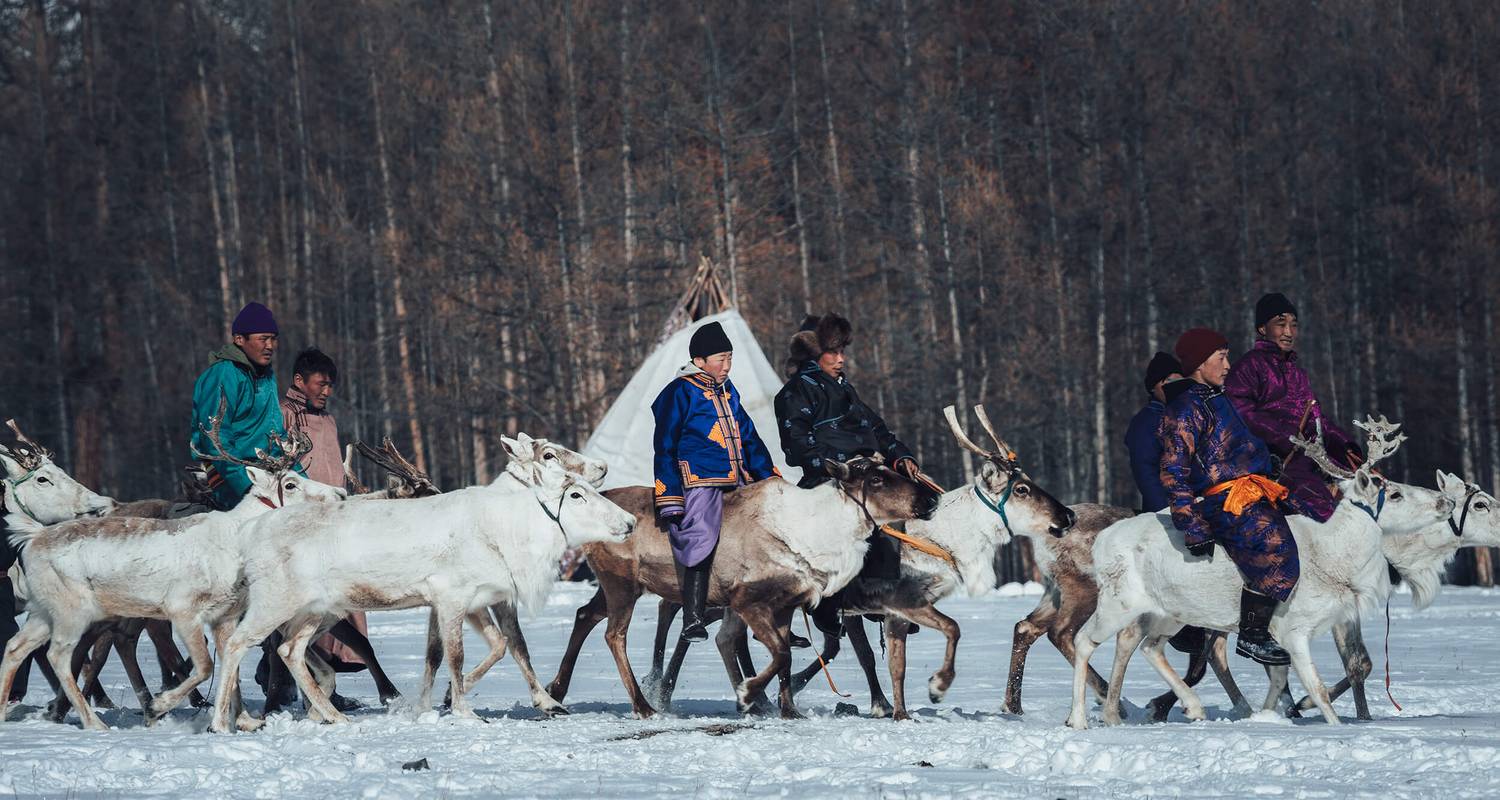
[[1397, 507], [524, 450], [1475, 520], [286, 488], [41, 490], [1021, 506], [885, 494], [577, 508]]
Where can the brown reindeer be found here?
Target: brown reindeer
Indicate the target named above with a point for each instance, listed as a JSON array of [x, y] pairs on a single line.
[[971, 524], [782, 548]]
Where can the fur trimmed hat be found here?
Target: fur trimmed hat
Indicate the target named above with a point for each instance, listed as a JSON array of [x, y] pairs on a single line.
[[817, 335]]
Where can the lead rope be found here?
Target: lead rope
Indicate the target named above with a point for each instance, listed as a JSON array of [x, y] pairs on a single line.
[[1388, 654], [821, 662]]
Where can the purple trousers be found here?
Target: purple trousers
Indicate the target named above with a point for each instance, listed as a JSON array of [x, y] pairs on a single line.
[[696, 533]]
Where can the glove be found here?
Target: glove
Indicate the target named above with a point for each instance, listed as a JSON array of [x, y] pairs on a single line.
[[908, 467], [1204, 548]]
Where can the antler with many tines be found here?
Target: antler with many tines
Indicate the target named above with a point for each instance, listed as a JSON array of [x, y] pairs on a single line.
[[291, 447], [390, 459], [29, 455], [1384, 439]]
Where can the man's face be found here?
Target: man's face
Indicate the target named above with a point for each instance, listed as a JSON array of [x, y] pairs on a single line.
[[1282, 331], [832, 362], [316, 387], [258, 347], [717, 365], [1214, 370], [1159, 391]]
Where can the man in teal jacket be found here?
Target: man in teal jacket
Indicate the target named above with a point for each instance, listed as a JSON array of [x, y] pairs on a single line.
[[241, 374]]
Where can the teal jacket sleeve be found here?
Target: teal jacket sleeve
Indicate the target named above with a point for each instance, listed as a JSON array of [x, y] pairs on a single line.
[[224, 380]]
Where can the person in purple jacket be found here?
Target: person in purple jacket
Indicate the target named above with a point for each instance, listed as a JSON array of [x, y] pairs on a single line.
[[1271, 390]]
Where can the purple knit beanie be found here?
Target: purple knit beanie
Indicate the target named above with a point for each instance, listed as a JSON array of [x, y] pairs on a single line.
[[254, 318]]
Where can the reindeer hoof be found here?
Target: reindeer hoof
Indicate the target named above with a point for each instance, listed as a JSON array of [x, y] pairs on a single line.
[[901, 716], [1078, 721], [880, 710], [197, 700], [937, 688], [247, 723]]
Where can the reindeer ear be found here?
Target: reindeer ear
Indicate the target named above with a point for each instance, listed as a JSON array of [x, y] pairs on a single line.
[[511, 446], [1444, 480], [1363, 483], [988, 473], [524, 439], [837, 470], [260, 479], [12, 467]]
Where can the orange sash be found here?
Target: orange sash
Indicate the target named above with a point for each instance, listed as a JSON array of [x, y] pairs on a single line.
[[1246, 490]]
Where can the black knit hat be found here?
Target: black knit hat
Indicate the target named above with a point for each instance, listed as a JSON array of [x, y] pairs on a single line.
[[708, 340], [1162, 365], [1272, 306]]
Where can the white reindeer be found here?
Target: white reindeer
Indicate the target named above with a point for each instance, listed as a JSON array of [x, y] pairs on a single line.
[[185, 571], [1144, 573], [41, 491], [457, 552]]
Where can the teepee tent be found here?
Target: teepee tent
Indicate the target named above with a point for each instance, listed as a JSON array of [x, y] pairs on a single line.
[[623, 438]]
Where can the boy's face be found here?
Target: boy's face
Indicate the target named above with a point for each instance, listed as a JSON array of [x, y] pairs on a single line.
[[832, 363], [717, 365]]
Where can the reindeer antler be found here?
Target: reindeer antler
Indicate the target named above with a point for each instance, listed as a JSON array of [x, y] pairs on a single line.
[[292, 446], [359, 488], [390, 459], [1313, 449], [963, 439], [1380, 442], [1006, 451], [32, 455]]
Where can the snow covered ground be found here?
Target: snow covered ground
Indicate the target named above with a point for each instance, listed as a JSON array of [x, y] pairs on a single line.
[[1446, 744]]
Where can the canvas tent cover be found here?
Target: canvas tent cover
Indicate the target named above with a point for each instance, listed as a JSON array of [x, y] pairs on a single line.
[[623, 438]]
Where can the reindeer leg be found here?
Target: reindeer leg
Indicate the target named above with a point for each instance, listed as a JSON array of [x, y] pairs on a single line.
[[1126, 641], [125, 645], [860, 643], [1350, 642], [1218, 658], [485, 626], [731, 634], [510, 628], [238, 639], [621, 605], [831, 646], [1027, 631], [191, 630], [929, 617], [763, 622], [174, 668], [666, 611], [1152, 647], [1161, 705], [1065, 639], [895, 661], [357, 641], [293, 651], [783, 623], [451, 632], [433, 657], [88, 676], [31, 636], [65, 638], [1307, 672], [585, 620]]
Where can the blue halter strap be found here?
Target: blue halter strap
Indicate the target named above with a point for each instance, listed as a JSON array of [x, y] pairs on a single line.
[[1379, 505], [999, 507]]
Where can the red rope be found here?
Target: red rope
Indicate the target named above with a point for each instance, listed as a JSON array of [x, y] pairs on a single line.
[[1388, 654]]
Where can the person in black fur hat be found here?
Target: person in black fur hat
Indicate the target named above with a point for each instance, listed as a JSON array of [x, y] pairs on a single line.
[[821, 417]]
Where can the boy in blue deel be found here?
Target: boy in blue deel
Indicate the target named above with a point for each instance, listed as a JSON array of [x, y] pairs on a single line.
[[705, 446]]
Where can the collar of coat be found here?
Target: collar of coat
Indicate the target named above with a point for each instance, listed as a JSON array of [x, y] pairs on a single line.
[[1274, 349], [233, 354], [299, 400], [812, 369], [700, 378]]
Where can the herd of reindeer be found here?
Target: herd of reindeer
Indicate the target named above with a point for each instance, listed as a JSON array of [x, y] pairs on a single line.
[[295, 556]]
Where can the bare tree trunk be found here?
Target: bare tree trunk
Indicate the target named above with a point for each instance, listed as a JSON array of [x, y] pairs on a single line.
[[627, 177], [1143, 201], [835, 169], [304, 181], [393, 256], [727, 196], [42, 59], [955, 330], [231, 168], [913, 162], [226, 306], [1101, 376], [802, 249], [169, 193]]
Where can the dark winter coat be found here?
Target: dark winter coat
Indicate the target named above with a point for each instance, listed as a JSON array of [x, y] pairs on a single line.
[[822, 417], [1145, 455], [1205, 442], [1271, 391]]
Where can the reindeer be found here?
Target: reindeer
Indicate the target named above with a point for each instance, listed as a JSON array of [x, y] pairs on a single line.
[[1144, 574], [185, 570], [782, 548], [476, 547], [971, 523]]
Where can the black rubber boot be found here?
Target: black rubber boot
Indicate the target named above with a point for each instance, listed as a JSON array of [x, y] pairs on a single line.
[[1189, 640], [826, 617], [1255, 640], [694, 582]]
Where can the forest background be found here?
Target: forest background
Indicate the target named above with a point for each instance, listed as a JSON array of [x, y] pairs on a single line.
[[484, 210]]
